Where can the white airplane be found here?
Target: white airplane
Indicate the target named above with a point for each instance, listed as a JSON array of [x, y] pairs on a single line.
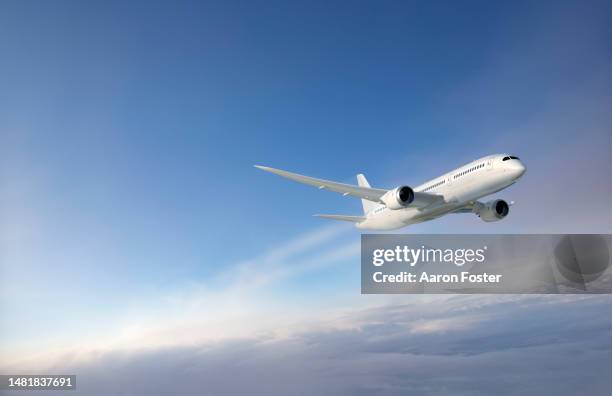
[[457, 191]]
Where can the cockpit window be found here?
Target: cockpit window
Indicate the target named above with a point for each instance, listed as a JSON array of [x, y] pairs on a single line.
[[513, 157], [509, 158], [506, 158]]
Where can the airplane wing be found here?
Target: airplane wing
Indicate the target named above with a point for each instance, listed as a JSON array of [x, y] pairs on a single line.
[[473, 207], [371, 194], [421, 199], [469, 208]]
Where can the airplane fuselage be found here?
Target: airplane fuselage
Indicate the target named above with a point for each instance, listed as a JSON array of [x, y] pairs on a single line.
[[458, 188]]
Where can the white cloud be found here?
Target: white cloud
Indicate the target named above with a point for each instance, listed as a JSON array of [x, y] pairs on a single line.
[[512, 345], [235, 303]]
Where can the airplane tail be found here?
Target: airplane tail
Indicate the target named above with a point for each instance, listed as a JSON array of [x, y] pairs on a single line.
[[367, 204], [353, 219]]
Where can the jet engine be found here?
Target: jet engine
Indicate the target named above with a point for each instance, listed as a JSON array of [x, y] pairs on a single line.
[[398, 198], [494, 210]]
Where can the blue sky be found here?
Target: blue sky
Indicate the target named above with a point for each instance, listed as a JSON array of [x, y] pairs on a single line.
[[128, 134]]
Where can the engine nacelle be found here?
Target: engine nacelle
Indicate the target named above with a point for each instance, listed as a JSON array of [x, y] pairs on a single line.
[[494, 210], [398, 198]]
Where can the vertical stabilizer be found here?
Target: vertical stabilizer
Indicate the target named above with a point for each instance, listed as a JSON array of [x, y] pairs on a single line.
[[367, 205]]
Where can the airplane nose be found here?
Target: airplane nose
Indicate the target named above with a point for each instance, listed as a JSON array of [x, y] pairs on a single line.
[[518, 168]]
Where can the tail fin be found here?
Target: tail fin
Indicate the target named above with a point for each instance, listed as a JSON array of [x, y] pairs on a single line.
[[367, 205]]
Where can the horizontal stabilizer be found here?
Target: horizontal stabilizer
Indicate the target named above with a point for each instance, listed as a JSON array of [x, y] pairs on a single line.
[[354, 219]]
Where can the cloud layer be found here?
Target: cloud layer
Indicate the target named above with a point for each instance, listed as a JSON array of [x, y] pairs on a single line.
[[485, 344]]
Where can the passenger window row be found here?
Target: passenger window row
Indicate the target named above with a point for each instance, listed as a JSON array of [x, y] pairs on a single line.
[[438, 184], [468, 170]]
